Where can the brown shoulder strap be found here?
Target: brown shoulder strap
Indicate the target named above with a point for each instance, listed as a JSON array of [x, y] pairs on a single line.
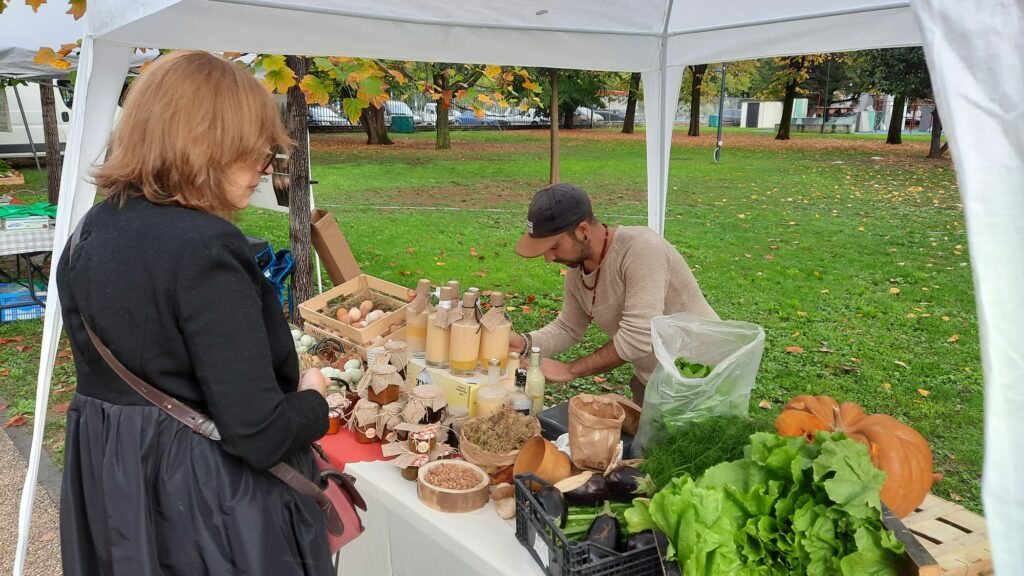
[[201, 423]]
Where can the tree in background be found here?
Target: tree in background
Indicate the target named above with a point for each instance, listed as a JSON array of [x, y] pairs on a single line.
[[696, 73], [476, 87], [576, 88], [903, 73], [633, 95], [788, 75]]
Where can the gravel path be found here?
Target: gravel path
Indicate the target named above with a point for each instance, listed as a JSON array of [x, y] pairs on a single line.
[[44, 541]]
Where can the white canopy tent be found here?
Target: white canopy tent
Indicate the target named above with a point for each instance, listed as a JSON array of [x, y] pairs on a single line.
[[972, 47]]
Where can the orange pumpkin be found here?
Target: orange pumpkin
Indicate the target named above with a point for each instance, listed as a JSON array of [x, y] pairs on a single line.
[[895, 448]]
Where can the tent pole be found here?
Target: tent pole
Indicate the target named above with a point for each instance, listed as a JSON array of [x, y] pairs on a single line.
[[28, 130]]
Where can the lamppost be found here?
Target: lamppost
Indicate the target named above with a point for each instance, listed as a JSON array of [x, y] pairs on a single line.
[[828, 78], [721, 110]]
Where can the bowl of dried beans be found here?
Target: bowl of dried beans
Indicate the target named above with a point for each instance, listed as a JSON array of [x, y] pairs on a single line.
[[453, 486]]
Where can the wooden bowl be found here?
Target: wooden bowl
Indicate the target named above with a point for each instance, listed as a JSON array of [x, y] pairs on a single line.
[[540, 458], [447, 499]]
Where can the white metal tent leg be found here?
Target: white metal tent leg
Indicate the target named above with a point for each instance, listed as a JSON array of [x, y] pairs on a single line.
[[973, 49], [101, 71], [661, 96]]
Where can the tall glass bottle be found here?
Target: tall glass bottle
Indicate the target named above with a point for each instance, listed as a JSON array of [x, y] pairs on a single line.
[[495, 333], [439, 337], [535, 382], [416, 316], [465, 334]]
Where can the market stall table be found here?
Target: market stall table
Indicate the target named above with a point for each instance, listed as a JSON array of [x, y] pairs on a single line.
[[25, 245], [405, 538]]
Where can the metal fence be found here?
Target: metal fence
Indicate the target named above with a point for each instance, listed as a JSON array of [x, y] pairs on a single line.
[[331, 118]]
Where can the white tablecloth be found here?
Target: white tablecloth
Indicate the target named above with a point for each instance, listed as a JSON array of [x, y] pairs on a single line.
[[23, 241], [405, 538]]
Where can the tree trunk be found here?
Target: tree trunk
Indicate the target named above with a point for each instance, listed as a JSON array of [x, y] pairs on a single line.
[[570, 117], [935, 150], [298, 188], [634, 92], [698, 79], [896, 122], [787, 112], [372, 119], [553, 179], [443, 140], [53, 159]]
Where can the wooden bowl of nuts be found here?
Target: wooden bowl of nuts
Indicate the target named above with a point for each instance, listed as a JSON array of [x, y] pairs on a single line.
[[453, 486]]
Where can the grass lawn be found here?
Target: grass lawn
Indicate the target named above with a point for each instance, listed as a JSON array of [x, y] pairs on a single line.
[[846, 249]]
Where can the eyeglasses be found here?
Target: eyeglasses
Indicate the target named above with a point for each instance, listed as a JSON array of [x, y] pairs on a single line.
[[267, 160]]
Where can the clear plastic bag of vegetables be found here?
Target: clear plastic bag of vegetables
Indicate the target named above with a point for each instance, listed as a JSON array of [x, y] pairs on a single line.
[[674, 397]]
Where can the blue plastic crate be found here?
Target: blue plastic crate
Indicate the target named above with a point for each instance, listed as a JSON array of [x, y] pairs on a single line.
[[14, 294]]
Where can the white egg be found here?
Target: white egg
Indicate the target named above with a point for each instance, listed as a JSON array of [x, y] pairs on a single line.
[[307, 340], [301, 349], [353, 363], [296, 335], [353, 375], [326, 371]]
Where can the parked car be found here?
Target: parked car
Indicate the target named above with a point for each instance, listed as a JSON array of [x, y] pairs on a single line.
[[469, 118], [399, 108], [585, 116], [530, 116], [612, 115], [430, 115], [323, 116]]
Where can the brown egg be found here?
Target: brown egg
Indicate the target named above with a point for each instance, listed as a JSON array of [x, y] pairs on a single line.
[[365, 307], [342, 316], [355, 315]]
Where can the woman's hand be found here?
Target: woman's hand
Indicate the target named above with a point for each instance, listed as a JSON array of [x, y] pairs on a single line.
[[313, 379]]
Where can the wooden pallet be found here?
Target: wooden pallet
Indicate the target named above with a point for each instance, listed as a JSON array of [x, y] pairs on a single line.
[[943, 538]]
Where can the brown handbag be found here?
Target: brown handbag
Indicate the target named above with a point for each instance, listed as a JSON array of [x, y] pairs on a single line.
[[337, 498]]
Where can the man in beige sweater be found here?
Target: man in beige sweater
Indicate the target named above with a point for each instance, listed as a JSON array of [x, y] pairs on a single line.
[[619, 278]]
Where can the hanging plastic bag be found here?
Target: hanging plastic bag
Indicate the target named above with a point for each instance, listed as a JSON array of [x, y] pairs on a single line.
[[671, 400]]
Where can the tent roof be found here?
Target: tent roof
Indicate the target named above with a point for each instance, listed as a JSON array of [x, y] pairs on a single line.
[[622, 35]]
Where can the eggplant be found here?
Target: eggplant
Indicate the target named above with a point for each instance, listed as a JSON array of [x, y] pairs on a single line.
[[671, 568], [552, 504], [586, 489], [648, 538], [626, 482], [605, 530]]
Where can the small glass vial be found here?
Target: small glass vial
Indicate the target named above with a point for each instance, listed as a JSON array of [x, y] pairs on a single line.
[[465, 335]]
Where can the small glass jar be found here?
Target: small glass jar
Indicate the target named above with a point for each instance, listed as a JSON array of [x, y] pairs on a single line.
[[423, 442], [366, 434], [384, 373], [334, 417], [411, 473]]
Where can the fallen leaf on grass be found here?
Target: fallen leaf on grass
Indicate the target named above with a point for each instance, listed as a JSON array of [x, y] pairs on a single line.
[[5, 341], [886, 385], [63, 390], [531, 299], [60, 408], [901, 363], [894, 290], [946, 318], [18, 420], [440, 263], [480, 273], [511, 308], [923, 392], [23, 348], [847, 369], [794, 334], [955, 497], [801, 313], [410, 250], [911, 315], [473, 252], [764, 404], [544, 312], [405, 273], [794, 349], [3, 406], [825, 291], [5, 372], [769, 257], [563, 272], [953, 338], [598, 379], [527, 309], [65, 353]]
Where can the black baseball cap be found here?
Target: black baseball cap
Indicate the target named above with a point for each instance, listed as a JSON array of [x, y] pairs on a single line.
[[554, 210]]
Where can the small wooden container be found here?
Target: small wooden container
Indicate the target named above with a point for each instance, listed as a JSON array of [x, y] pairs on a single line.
[[448, 500]]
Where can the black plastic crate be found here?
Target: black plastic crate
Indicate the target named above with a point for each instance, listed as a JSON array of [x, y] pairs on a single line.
[[559, 556]]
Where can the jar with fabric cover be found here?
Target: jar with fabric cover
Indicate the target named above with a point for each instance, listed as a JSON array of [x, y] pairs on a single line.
[[381, 384], [426, 405]]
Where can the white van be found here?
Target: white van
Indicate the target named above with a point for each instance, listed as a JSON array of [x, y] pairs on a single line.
[[14, 141]]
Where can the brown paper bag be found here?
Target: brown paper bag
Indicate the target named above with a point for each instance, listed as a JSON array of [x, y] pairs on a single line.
[[595, 426]]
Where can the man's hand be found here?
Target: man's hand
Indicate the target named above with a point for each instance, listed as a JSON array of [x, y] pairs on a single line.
[[516, 343], [555, 371]]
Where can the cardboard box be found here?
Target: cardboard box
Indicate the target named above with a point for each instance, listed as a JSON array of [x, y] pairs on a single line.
[[332, 247], [458, 390], [313, 310]]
